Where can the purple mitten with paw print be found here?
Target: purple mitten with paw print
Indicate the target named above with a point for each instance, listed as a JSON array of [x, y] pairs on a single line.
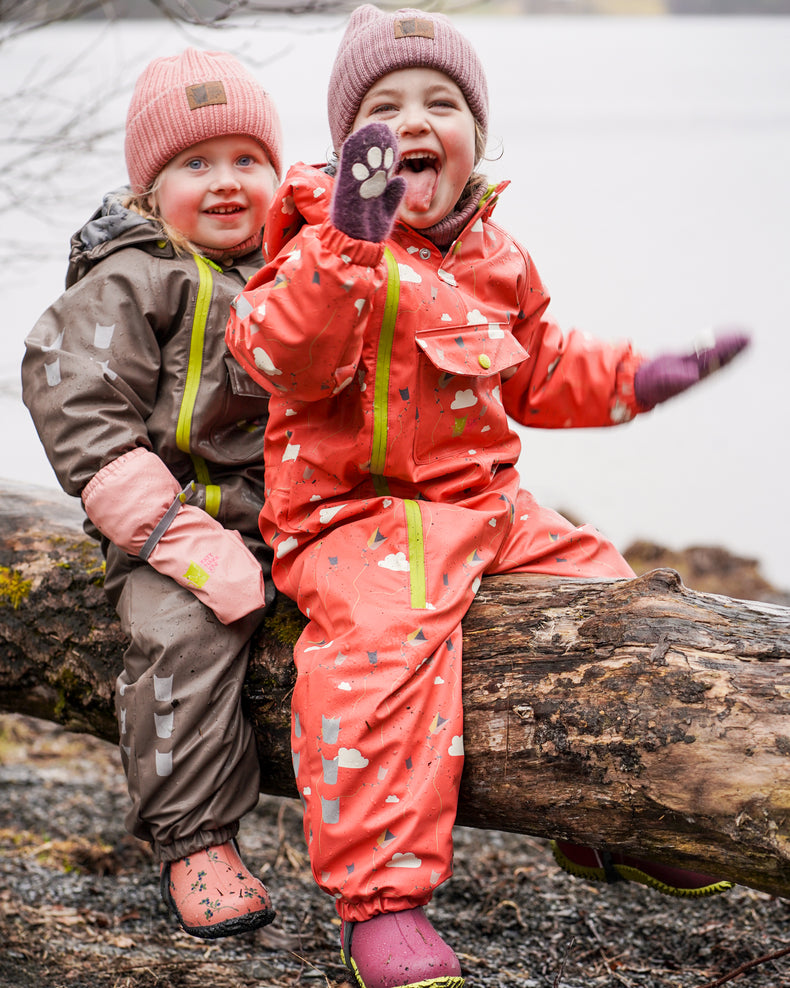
[[367, 192], [669, 374]]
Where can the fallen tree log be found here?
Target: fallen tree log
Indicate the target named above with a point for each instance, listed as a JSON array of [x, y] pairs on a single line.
[[635, 713]]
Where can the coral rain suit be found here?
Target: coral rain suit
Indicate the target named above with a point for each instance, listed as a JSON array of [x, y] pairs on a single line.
[[391, 489]]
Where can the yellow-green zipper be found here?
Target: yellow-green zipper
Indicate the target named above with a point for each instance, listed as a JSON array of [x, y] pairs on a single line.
[[383, 366], [194, 370], [414, 529]]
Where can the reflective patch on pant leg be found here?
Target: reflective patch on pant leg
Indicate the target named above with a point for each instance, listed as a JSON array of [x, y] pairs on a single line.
[[163, 724], [164, 763], [416, 539], [330, 810], [163, 688]]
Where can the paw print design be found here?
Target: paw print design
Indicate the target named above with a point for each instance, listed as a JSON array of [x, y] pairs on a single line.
[[373, 175], [367, 195]]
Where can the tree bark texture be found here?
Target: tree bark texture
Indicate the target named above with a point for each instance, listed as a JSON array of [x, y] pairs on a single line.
[[632, 713]]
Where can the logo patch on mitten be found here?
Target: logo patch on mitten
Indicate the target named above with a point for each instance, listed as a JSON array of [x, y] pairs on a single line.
[[196, 576], [413, 27]]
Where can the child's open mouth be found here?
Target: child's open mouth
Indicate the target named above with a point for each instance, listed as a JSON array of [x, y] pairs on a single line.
[[421, 170], [224, 210]]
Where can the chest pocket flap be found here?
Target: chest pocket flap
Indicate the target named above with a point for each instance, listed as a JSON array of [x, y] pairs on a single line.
[[240, 381], [471, 350]]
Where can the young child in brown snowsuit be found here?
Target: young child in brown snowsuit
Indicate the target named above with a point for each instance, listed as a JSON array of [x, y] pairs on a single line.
[[144, 416]]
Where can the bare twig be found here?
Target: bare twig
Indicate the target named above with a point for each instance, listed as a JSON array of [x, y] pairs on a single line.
[[558, 978], [746, 967]]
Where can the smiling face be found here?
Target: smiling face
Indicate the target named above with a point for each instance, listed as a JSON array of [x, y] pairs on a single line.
[[436, 138], [216, 193]]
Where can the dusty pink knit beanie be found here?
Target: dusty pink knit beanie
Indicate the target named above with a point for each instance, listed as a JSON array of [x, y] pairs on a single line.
[[376, 43], [183, 99]]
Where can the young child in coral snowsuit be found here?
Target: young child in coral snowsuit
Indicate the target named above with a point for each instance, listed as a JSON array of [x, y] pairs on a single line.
[[397, 328], [143, 414]]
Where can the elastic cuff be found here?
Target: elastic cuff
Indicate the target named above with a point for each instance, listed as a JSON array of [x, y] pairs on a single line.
[[625, 403], [358, 912], [188, 845], [119, 463], [363, 252]]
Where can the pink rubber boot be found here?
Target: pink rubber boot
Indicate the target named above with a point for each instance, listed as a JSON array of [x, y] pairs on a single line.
[[613, 866], [399, 950], [213, 894]]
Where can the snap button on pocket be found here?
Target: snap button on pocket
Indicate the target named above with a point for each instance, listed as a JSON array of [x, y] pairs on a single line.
[[484, 360]]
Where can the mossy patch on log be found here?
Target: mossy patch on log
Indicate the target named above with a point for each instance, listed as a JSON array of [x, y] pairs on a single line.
[[284, 622], [14, 588]]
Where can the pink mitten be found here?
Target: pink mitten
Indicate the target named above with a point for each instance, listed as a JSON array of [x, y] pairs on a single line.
[[136, 503], [367, 192], [669, 374]]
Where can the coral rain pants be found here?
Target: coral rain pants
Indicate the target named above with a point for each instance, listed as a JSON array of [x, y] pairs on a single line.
[[377, 709]]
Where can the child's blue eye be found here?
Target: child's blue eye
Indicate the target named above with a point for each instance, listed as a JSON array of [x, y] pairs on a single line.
[[194, 164], [246, 160]]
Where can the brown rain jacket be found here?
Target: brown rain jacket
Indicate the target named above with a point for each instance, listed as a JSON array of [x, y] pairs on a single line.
[[133, 354]]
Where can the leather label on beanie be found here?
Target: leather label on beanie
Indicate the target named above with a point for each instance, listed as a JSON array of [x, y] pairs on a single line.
[[413, 27], [206, 94]]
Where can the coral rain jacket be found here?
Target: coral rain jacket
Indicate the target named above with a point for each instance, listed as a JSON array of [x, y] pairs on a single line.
[[402, 363]]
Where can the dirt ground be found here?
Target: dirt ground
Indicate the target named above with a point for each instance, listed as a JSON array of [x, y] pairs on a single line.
[[80, 908]]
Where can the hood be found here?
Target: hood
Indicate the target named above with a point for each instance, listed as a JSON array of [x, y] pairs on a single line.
[[303, 198], [110, 228]]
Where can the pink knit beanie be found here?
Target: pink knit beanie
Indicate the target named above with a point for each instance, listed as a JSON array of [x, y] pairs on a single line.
[[183, 99], [376, 43]]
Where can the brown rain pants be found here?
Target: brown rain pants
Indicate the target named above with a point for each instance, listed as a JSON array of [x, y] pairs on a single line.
[[187, 748]]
